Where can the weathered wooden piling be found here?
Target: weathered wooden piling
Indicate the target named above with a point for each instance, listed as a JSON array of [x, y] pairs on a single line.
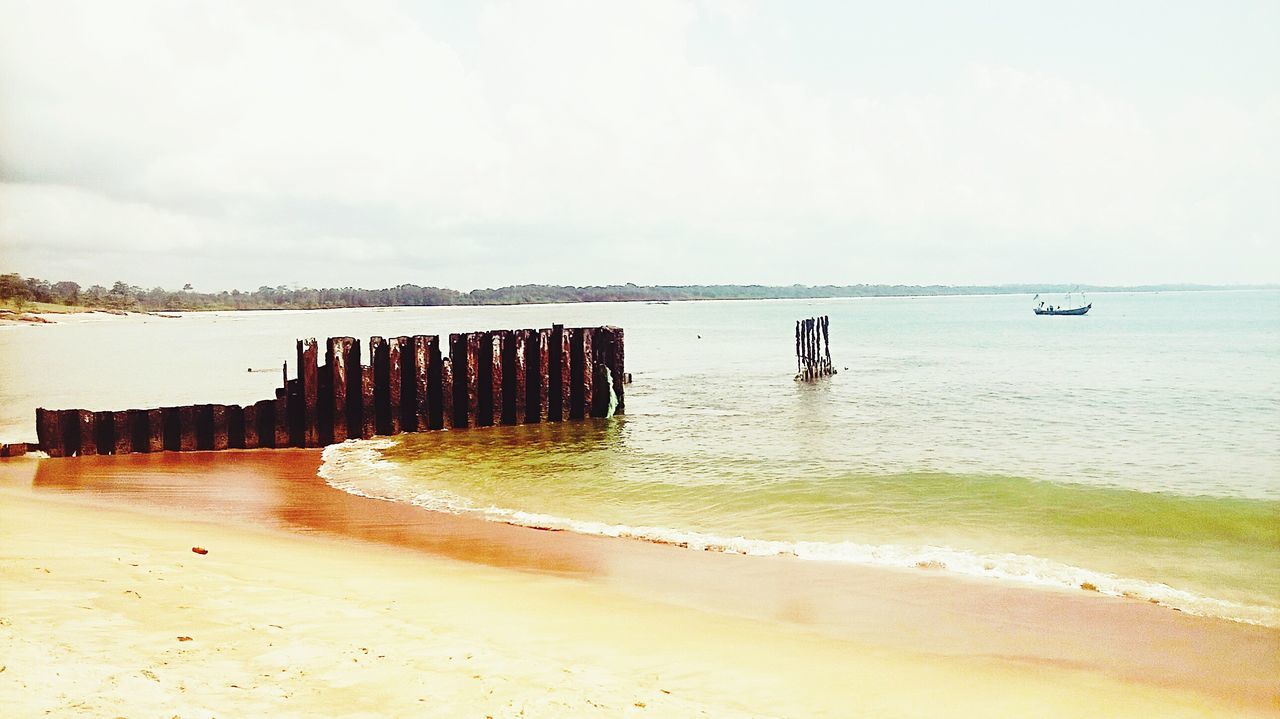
[[493, 353], [368, 400], [420, 386], [472, 369], [136, 426], [618, 367], [204, 426], [380, 359], [587, 340], [121, 433], [104, 435], [395, 384], [280, 433], [155, 430], [813, 349], [447, 382], [520, 376], [264, 415], [49, 432], [499, 377], [309, 391], [249, 425], [338, 358], [88, 422], [235, 426], [545, 372], [221, 434]]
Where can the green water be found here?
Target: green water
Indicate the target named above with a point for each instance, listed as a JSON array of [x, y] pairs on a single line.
[[1219, 547]]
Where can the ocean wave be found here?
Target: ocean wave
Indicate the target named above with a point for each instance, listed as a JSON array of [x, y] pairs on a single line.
[[358, 467]]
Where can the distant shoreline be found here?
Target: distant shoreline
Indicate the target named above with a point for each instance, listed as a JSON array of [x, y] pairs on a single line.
[[39, 296]]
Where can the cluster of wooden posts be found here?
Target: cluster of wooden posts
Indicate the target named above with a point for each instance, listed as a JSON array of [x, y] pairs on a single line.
[[813, 348], [410, 384]]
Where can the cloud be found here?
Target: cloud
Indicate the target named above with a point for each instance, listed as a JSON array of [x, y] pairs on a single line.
[[585, 142]]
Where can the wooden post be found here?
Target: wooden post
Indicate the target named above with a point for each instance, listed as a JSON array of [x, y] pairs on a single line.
[[618, 366], [505, 349], [220, 434], [103, 423], [172, 429], [601, 349], [88, 433], [380, 360], [424, 354], [573, 398], [472, 381], [588, 369], [69, 429], [458, 370], [520, 373], [544, 374], [554, 373], [187, 428], [395, 381], [566, 373], [408, 384], [139, 431], [308, 391], [49, 432], [122, 433], [155, 430], [493, 353], [265, 413], [280, 423], [368, 401], [447, 419], [204, 426], [355, 393], [235, 426], [249, 422], [338, 358]]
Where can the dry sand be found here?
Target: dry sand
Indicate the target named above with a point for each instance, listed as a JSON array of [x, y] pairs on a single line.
[[478, 620]]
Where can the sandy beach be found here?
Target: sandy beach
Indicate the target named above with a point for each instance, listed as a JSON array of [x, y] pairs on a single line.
[[313, 602]]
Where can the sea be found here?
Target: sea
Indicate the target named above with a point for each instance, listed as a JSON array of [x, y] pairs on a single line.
[[1132, 452]]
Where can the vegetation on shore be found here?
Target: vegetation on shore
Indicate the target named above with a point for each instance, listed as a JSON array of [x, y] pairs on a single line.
[[38, 295]]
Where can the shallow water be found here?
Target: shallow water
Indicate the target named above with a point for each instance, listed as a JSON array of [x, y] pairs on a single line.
[[1135, 450]]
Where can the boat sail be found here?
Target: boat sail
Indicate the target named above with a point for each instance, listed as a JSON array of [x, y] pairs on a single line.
[[1068, 307]]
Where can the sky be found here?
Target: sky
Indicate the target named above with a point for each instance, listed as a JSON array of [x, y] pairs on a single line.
[[234, 144]]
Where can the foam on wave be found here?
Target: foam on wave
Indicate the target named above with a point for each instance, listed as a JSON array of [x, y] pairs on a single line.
[[357, 467]]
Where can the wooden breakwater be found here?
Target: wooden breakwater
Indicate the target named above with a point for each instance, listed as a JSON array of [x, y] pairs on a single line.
[[393, 385], [813, 348]]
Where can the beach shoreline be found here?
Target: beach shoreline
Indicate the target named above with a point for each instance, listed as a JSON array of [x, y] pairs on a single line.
[[1031, 643]]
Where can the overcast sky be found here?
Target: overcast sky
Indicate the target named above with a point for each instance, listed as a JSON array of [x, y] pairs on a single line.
[[235, 144]]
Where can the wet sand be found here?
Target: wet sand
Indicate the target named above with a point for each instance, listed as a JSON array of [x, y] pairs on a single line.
[[907, 642]]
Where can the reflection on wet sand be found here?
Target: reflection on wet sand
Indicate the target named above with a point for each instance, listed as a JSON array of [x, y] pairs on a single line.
[[915, 610]]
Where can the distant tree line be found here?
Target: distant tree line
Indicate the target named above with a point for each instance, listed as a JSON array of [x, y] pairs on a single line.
[[22, 291]]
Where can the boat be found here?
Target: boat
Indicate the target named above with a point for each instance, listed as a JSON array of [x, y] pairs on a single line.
[[1063, 309]]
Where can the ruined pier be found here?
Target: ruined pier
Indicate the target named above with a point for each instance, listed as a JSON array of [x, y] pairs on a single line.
[[813, 349], [389, 386]]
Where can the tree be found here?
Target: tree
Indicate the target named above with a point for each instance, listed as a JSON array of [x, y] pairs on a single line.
[[68, 293], [11, 285]]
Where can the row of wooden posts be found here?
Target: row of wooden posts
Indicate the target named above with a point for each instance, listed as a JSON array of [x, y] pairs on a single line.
[[410, 384], [813, 348]]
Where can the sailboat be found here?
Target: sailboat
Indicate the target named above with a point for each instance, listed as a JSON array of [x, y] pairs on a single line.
[[1066, 308]]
